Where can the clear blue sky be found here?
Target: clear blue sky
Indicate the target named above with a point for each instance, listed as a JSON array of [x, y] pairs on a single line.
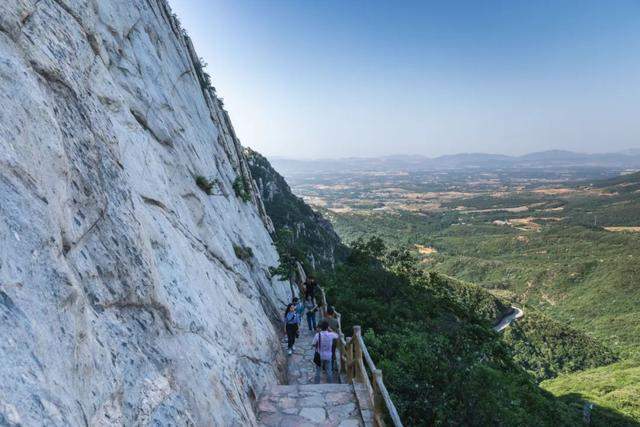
[[366, 78]]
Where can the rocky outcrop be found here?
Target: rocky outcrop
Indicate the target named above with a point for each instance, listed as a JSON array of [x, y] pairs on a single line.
[[128, 295], [313, 236]]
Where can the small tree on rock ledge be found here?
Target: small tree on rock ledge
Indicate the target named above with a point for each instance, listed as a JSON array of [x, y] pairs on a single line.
[[242, 189]]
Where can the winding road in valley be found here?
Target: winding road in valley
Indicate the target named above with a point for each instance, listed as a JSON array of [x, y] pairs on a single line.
[[515, 314]]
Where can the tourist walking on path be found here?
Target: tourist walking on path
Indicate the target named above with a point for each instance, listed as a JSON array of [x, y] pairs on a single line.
[[334, 325], [310, 287], [291, 324], [332, 319], [323, 342], [299, 311], [311, 307]]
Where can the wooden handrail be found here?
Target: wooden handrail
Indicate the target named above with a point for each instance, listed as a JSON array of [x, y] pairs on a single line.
[[356, 363], [359, 359], [391, 408], [366, 355]]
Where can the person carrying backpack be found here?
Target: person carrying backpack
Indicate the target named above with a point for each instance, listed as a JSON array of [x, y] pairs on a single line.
[[323, 342], [291, 323]]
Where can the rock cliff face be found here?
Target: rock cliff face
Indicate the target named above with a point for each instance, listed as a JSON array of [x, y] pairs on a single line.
[[313, 236], [128, 295]]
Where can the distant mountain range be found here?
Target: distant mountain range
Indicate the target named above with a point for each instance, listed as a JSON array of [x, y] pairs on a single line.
[[629, 159]]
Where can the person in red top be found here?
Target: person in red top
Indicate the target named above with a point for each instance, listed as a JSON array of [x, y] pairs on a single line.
[[323, 343]]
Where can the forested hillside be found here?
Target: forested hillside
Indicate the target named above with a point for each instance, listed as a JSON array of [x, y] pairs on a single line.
[[443, 363], [565, 252], [433, 337], [300, 229]]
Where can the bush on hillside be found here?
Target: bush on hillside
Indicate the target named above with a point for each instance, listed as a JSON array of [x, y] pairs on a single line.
[[205, 184], [547, 348], [241, 189], [244, 253]]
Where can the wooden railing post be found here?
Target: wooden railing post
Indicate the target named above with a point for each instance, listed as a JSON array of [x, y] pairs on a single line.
[[350, 364], [343, 350], [357, 353], [378, 402]]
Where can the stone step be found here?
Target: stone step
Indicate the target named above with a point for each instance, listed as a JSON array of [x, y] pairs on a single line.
[[302, 403], [310, 405], [366, 411]]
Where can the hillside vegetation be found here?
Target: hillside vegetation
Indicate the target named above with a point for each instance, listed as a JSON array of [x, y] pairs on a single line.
[[304, 232], [433, 339], [574, 274], [547, 348], [613, 388], [564, 267], [432, 334], [581, 276]]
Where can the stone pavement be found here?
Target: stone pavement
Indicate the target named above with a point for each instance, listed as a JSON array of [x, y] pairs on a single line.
[[309, 405], [300, 366], [303, 403]]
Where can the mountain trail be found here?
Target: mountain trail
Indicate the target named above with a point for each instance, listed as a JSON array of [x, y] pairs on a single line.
[[300, 402]]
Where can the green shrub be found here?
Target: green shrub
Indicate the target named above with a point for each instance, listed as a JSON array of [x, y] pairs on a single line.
[[205, 184], [205, 79], [289, 254], [241, 189], [244, 253]]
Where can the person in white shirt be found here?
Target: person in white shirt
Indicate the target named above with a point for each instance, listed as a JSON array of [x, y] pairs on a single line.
[[322, 342]]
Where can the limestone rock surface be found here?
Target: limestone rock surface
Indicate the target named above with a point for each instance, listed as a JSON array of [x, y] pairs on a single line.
[[128, 295]]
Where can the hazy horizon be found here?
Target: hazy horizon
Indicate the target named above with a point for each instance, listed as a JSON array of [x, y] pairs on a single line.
[[355, 79], [279, 157]]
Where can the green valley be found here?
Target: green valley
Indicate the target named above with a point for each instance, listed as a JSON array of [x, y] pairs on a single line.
[[562, 244]]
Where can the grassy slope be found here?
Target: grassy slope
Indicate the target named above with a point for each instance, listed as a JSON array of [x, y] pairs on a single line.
[[615, 387]]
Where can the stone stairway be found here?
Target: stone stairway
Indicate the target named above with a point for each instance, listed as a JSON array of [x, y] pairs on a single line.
[[303, 403]]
